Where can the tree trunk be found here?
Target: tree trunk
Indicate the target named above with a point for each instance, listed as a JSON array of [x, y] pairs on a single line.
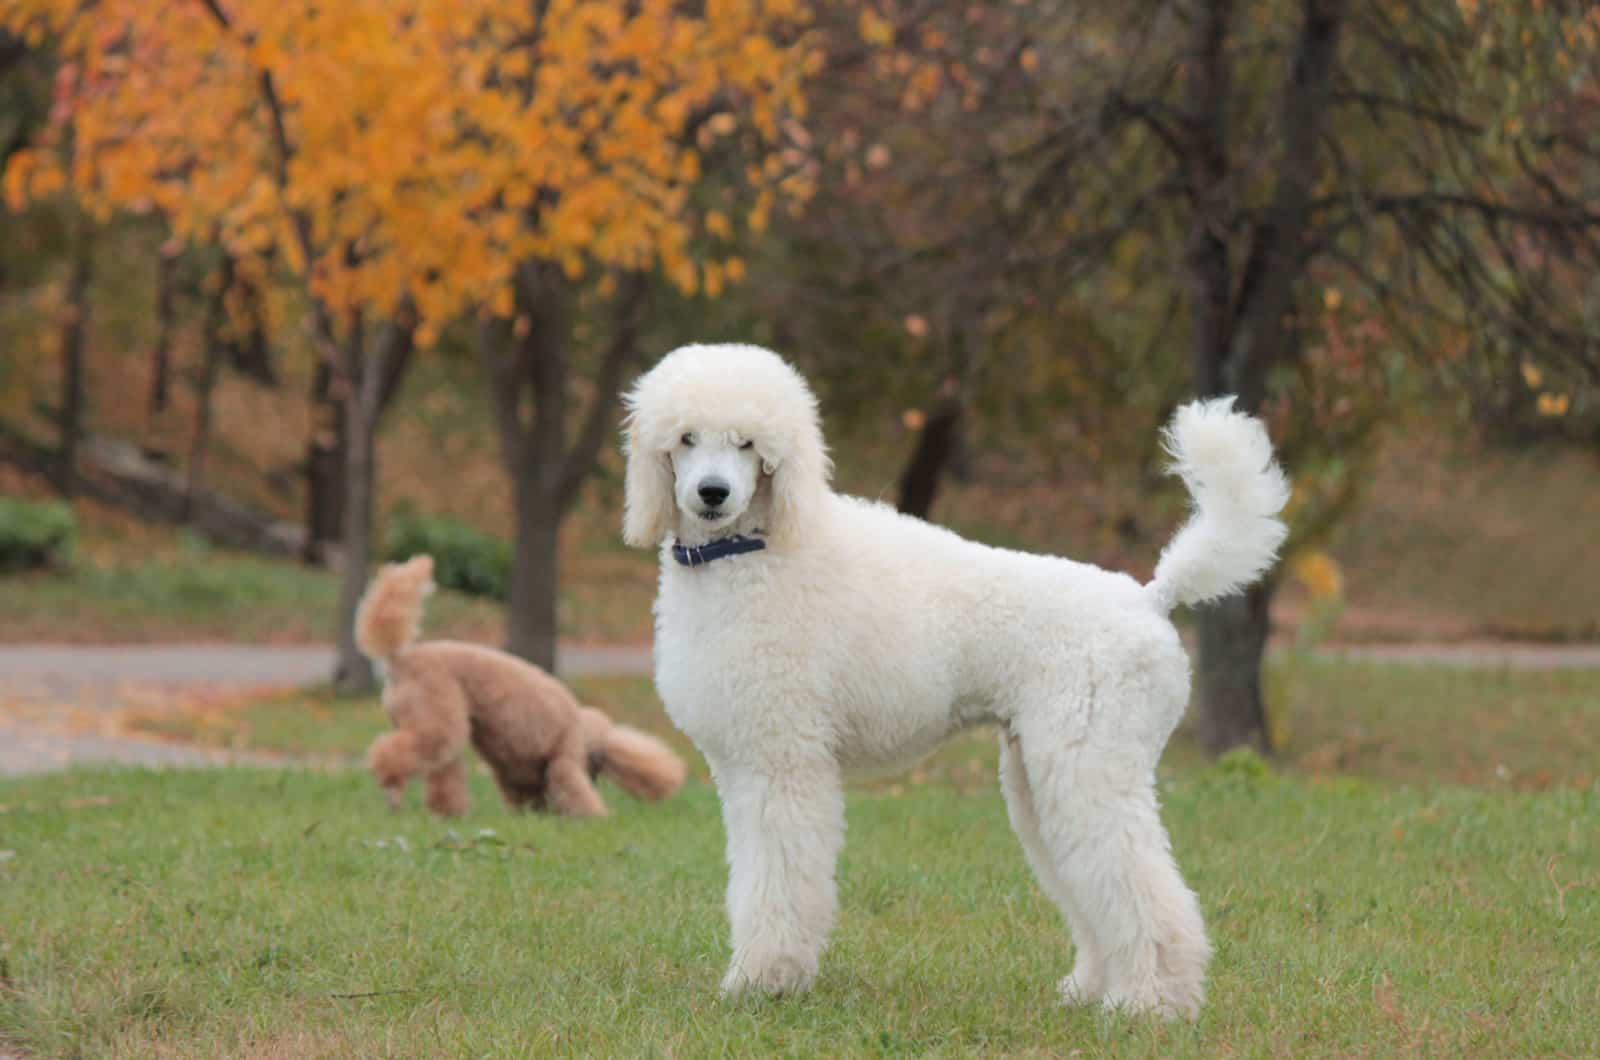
[[74, 323], [251, 349], [1232, 637], [535, 572], [327, 454], [365, 377], [936, 444], [166, 320], [1238, 336], [547, 471], [214, 338], [205, 386], [354, 675]]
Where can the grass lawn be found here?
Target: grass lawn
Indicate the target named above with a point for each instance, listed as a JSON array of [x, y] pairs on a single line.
[[1524, 730], [259, 913]]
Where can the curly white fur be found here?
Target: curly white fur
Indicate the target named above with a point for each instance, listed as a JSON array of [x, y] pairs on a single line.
[[861, 638]]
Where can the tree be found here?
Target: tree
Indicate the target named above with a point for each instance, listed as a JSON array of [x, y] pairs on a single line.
[[1332, 193], [620, 140], [74, 326], [418, 163]]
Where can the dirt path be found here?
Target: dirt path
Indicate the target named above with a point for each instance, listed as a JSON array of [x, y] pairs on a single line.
[[58, 704]]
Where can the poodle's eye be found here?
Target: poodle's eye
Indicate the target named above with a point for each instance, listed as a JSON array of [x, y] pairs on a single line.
[[747, 445], [687, 439]]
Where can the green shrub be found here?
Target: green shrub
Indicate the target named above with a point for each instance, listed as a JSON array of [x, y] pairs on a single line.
[[34, 533], [464, 558]]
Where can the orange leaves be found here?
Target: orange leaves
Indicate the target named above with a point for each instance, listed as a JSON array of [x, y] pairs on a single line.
[[424, 146], [874, 28]]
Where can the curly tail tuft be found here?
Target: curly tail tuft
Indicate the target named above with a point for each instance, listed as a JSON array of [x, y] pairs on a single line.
[[639, 763], [1225, 458], [389, 616]]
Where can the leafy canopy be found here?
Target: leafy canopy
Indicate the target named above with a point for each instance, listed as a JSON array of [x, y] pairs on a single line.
[[387, 149]]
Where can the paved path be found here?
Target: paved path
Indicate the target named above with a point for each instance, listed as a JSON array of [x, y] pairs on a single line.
[[86, 674], [1478, 655], [58, 703], [52, 696]]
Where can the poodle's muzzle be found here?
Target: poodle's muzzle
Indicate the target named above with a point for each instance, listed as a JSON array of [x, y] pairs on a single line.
[[713, 491], [715, 476]]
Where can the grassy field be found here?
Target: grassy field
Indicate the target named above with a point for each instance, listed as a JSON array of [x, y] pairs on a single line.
[[1362, 902], [1520, 730], [251, 913]]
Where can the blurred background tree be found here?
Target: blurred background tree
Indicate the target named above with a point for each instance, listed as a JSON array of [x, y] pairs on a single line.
[[1325, 201], [407, 166]]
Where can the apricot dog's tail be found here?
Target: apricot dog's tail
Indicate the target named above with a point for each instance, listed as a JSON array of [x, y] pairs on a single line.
[[390, 614], [639, 763]]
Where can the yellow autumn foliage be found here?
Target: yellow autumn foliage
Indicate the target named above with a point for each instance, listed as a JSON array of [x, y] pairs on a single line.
[[1319, 573], [426, 146]]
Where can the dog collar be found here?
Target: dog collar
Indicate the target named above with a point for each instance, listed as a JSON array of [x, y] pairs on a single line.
[[700, 555]]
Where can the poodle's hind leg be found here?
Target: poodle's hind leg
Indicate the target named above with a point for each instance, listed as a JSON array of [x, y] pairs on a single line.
[[1087, 982], [1102, 831], [447, 789], [569, 788], [524, 791], [393, 761], [785, 831]]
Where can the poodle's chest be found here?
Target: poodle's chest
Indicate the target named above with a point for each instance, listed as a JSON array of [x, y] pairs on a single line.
[[746, 675]]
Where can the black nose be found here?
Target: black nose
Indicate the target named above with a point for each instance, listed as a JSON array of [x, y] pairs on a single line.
[[713, 491]]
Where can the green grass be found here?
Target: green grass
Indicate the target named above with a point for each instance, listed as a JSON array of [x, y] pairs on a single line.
[[1415, 724], [1521, 729], [256, 913], [1383, 914]]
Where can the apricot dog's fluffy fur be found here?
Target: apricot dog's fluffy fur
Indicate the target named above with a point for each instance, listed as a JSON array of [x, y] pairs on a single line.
[[544, 747]]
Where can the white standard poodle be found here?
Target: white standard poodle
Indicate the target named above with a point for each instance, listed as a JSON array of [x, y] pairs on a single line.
[[803, 636]]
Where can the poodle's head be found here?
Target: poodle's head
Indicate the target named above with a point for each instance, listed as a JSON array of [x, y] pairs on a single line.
[[721, 440]]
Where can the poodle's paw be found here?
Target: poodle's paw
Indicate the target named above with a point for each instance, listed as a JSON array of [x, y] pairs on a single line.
[[396, 798], [1082, 987], [1169, 1001], [780, 975]]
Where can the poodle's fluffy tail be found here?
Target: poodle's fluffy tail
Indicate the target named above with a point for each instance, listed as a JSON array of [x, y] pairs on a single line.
[[1225, 458], [641, 764], [390, 614]]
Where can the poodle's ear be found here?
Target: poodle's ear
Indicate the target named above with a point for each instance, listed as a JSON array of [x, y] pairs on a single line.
[[798, 478], [648, 510]]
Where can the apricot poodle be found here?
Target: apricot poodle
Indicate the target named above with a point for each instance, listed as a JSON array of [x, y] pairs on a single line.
[[544, 747]]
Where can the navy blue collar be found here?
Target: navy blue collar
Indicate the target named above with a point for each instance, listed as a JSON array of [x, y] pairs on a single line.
[[700, 555]]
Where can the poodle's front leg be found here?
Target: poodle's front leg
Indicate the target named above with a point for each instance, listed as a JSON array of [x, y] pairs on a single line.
[[785, 829]]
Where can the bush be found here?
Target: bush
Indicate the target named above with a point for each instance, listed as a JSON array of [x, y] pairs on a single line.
[[34, 533], [464, 558]]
